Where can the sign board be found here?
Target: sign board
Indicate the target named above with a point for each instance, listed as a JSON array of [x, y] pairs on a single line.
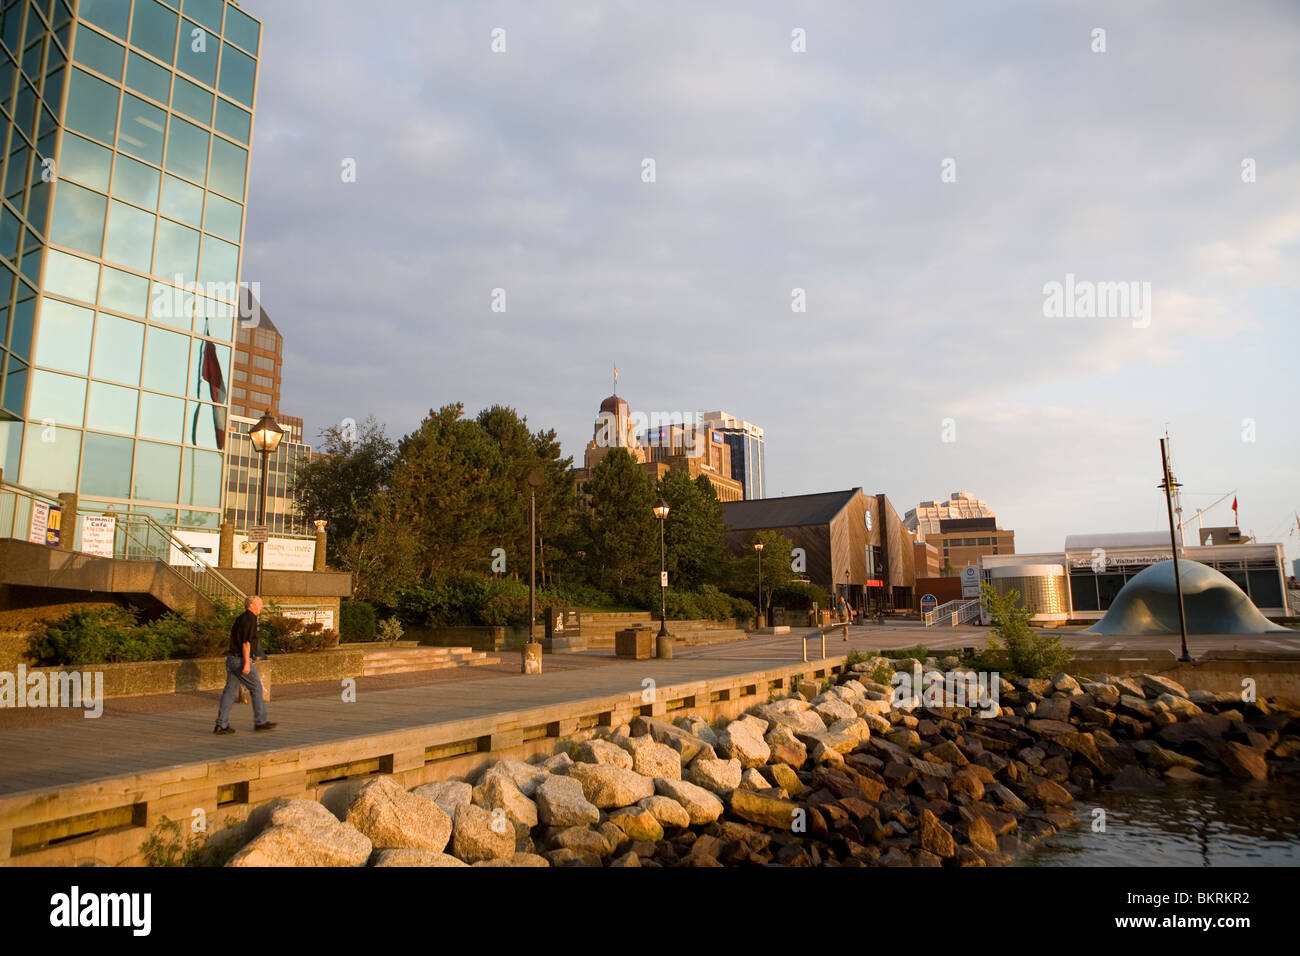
[[663, 579], [928, 603], [1119, 559], [45, 525], [203, 544], [875, 583], [322, 615], [97, 533], [970, 581], [279, 554], [868, 520], [257, 534]]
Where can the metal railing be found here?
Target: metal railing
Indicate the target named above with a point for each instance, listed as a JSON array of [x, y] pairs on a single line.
[[821, 632], [953, 613], [136, 537]]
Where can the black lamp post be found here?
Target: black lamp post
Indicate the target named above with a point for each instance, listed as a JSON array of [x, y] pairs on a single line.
[[758, 546], [661, 512], [265, 436]]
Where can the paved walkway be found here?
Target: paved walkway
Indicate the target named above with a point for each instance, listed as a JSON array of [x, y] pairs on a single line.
[[53, 748]]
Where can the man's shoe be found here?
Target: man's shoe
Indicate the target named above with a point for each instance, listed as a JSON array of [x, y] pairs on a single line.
[[223, 730], [269, 725]]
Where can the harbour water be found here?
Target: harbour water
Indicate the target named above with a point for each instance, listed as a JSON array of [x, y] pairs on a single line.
[[1215, 824]]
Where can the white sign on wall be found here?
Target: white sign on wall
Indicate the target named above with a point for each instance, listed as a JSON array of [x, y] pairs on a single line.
[[312, 615], [204, 544], [970, 581], [97, 532], [280, 554]]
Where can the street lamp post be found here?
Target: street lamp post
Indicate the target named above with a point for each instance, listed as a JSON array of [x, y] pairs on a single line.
[[265, 436], [531, 662], [758, 618], [661, 512]]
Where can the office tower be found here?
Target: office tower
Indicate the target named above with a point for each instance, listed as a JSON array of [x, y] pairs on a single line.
[[747, 450], [127, 130]]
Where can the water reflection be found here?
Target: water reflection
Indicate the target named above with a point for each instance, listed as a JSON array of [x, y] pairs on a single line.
[[1208, 825]]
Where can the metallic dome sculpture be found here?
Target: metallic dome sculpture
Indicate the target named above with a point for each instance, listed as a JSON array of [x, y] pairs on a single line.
[[1148, 604]]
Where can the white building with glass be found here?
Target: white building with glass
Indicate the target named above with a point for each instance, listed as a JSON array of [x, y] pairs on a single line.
[[127, 128]]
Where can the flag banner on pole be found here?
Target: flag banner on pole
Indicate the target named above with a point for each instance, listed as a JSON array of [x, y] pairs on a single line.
[[210, 371]]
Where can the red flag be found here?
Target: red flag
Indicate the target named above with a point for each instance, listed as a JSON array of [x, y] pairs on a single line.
[[217, 389], [1234, 511]]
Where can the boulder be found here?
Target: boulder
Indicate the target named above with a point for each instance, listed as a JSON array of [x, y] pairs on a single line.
[[980, 835], [448, 795], [785, 747], [299, 835], [854, 727], [559, 763], [392, 818], [479, 835], [688, 745], [666, 810], [751, 779], [566, 857], [1157, 685], [638, 823], [765, 811], [935, 837], [525, 776], [528, 860], [608, 786], [604, 753], [584, 839], [500, 792], [1064, 683], [701, 805], [1244, 762], [839, 743], [562, 802], [412, 857], [1053, 708], [785, 778], [1184, 775], [1104, 695], [651, 758], [697, 726], [1052, 794], [799, 721], [1180, 707], [720, 776], [743, 740], [831, 709]]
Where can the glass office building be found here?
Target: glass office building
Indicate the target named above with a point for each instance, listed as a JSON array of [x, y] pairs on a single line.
[[747, 450], [127, 126]]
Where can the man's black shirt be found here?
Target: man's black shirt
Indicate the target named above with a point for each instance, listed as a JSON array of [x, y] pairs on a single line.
[[244, 631]]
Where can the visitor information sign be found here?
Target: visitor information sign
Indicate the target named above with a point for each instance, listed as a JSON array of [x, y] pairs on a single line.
[[97, 532]]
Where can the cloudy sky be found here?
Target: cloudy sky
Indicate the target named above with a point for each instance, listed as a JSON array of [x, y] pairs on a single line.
[[822, 170]]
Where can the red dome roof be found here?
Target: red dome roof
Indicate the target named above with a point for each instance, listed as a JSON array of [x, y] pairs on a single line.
[[614, 405]]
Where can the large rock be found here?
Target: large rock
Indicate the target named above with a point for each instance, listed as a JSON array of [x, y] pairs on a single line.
[[666, 810], [1157, 685], [720, 776], [584, 840], [743, 740], [500, 792], [839, 743], [561, 802], [765, 811], [799, 721], [525, 776], [785, 747], [696, 725], [602, 752], [832, 709], [651, 758], [608, 786], [1053, 708], [935, 838], [700, 804], [304, 833], [412, 857], [688, 745], [392, 818], [854, 727], [638, 823], [1244, 762], [447, 795], [1180, 707], [479, 835]]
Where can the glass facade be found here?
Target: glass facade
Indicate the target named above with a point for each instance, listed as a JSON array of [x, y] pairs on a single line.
[[127, 131], [1261, 581], [244, 476]]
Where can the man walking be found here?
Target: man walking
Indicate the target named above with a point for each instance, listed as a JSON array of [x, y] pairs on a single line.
[[244, 646]]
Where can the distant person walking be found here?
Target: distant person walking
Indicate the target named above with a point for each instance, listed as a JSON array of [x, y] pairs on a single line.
[[244, 646], [844, 609]]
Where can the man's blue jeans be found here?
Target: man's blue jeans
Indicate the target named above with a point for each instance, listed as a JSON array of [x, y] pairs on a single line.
[[234, 678]]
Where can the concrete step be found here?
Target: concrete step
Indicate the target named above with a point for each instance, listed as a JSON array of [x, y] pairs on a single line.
[[404, 660]]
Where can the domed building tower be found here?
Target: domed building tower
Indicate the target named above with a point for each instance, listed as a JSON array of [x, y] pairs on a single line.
[[614, 429]]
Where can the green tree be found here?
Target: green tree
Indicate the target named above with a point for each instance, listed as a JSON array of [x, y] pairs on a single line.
[[694, 531], [1016, 649], [449, 487], [947, 570], [776, 567], [340, 481], [620, 530]]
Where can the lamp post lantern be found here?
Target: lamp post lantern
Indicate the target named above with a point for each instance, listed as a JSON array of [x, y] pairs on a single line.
[[265, 436], [661, 512], [758, 618]]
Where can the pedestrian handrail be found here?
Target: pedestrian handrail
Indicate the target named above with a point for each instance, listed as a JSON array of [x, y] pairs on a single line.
[[953, 613], [821, 632], [136, 537]]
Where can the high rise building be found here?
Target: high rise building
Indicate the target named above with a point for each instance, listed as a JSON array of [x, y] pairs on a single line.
[[127, 127], [747, 450], [259, 353], [963, 528], [244, 477]]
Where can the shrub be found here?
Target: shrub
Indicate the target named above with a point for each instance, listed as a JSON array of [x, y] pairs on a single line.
[[854, 657], [390, 630], [799, 595], [104, 636], [356, 621], [743, 611], [1017, 650], [883, 674], [169, 844], [920, 652]]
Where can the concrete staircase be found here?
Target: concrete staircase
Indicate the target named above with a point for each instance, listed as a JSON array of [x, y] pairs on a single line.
[[405, 657]]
